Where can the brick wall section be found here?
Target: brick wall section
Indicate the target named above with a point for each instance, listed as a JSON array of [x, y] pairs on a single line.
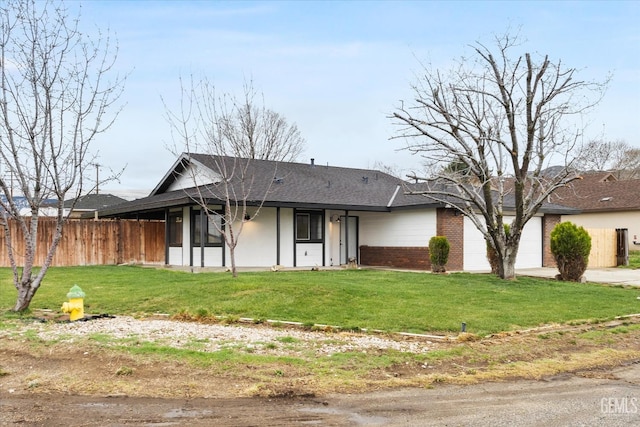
[[548, 223], [415, 258], [450, 223]]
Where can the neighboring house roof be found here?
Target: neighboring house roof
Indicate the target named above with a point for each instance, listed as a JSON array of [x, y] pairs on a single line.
[[286, 184], [92, 202], [600, 192], [509, 201]]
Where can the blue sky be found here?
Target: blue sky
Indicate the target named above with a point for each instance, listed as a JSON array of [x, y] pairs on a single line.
[[337, 69]]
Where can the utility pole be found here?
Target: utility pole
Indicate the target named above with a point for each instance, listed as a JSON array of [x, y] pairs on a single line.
[[97, 165], [7, 174]]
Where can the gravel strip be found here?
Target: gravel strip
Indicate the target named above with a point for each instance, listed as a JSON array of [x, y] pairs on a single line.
[[206, 337]]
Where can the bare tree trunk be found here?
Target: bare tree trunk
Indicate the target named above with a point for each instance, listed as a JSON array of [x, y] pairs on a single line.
[[507, 254], [30, 285], [25, 295], [52, 106], [232, 255], [26, 292], [507, 268]]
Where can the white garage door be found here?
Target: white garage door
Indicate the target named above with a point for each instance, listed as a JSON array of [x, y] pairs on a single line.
[[529, 254]]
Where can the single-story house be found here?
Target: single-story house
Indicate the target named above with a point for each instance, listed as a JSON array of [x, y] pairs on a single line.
[[317, 215], [604, 202]]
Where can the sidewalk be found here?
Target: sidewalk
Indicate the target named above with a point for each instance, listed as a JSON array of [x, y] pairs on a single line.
[[613, 276]]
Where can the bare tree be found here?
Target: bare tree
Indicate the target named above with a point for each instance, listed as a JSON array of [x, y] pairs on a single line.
[[235, 134], [393, 170], [500, 118], [628, 167], [263, 133], [54, 97], [616, 156]]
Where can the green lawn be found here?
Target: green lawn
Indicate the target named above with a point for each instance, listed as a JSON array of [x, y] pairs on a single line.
[[634, 260], [391, 301]]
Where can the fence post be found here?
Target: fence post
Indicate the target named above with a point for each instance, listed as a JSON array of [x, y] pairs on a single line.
[[622, 246]]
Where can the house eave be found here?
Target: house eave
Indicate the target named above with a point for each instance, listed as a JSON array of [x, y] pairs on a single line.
[[609, 210]]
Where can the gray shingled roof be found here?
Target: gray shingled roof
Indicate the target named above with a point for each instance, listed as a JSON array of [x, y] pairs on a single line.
[[508, 199], [301, 185], [94, 201]]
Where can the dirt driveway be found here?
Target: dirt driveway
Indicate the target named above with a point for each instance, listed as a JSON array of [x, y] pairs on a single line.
[[611, 399]]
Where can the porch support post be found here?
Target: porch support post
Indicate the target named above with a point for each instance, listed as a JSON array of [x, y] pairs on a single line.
[[204, 221], [191, 234], [278, 235], [295, 245], [166, 236], [346, 237], [224, 247]]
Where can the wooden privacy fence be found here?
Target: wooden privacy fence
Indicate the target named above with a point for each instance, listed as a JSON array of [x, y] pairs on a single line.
[[89, 242], [603, 247]]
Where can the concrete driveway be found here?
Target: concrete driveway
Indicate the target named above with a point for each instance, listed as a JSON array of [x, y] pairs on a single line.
[[613, 276]]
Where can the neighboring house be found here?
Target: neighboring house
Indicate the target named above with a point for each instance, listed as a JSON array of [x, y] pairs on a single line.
[[604, 202], [315, 215], [87, 206], [47, 208]]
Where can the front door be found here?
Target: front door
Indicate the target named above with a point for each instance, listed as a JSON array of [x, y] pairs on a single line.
[[348, 239]]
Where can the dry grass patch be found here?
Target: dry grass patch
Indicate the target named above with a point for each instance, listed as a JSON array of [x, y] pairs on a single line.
[[92, 366]]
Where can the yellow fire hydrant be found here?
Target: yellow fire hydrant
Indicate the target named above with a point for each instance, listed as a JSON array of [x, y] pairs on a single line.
[[75, 306]]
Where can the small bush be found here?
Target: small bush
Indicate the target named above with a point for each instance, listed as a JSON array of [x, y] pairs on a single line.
[[438, 253], [570, 246]]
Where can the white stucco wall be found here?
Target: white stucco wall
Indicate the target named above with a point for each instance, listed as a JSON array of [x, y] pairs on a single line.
[[175, 255], [286, 236], [212, 257], [186, 235], [257, 244], [180, 255], [529, 253], [398, 228], [308, 254], [626, 219]]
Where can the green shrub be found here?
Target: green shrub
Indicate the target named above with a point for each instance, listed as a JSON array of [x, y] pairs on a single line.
[[570, 246], [492, 255], [438, 253]]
